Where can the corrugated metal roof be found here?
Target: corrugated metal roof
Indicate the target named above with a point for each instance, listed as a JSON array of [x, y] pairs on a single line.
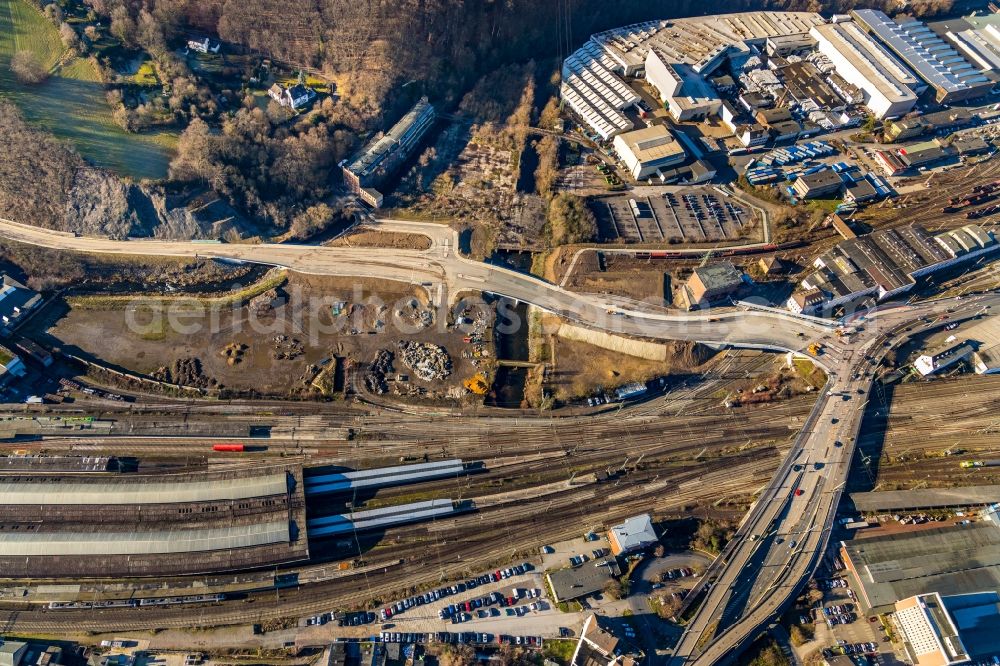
[[28, 544], [891, 500], [163, 492], [949, 560]]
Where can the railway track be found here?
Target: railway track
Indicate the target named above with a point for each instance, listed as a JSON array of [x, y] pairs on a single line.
[[677, 453]]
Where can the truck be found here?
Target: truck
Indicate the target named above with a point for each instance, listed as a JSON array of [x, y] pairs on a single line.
[[967, 464]]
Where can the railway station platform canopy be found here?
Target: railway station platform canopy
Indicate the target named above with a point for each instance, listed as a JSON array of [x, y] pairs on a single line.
[[53, 492], [47, 544]]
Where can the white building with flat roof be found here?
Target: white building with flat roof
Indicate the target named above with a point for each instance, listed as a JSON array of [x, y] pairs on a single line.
[[646, 150], [687, 95], [930, 636], [887, 86]]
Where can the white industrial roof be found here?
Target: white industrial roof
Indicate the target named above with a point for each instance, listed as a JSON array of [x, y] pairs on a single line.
[[697, 40], [158, 492], [930, 56], [873, 62], [594, 91], [27, 544], [982, 46]]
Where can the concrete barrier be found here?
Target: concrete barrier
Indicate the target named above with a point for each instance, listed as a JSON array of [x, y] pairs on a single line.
[[651, 351]]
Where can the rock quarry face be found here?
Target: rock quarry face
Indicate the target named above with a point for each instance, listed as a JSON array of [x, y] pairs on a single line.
[[100, 204], [103, 205]]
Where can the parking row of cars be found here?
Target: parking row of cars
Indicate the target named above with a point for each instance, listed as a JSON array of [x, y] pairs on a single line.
[[456, 611], [831, 583], [458, 638], [429, 597], [683, 572], [343, 619], [851, 648]]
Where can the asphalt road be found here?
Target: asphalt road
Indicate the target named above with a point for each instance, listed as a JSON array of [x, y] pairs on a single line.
[[445, 273], [785, 533]]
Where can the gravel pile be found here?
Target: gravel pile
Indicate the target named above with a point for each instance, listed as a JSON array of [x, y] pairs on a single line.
[[429, 362]]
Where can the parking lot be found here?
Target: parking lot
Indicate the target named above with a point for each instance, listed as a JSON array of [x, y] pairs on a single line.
[[843, 629], [686, 215]]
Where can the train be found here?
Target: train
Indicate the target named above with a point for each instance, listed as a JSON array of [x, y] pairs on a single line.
[[734, 252], [232, 448], [133, 603], [969, 464]]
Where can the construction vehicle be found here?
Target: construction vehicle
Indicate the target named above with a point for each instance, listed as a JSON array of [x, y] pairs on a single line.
[[815, 348], [967, 464]]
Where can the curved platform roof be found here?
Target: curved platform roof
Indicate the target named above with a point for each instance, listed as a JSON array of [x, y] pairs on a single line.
[[132, 492], [42, 544]]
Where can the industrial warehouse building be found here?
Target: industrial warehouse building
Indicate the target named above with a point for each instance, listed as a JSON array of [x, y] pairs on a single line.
[[820, 184], [687, 95], [943, 68], [138, 525], [648, 150], [925, 498], [888, 262], [16, 301], [682, 53], [379, 159], [977, 37], [887, 85], [949, 630], [958, 559]]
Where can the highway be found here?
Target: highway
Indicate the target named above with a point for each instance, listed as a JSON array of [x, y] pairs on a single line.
[[786, 532]]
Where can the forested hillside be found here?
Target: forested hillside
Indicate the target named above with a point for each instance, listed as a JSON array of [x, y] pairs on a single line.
[[371, 45]]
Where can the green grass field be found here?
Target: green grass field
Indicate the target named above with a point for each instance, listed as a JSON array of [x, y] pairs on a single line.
[[71, 104]]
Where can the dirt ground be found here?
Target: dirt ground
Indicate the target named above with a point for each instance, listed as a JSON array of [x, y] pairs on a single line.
[[278, 344], [473, 179], [653, 281], [581, 369], [388, 239]]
